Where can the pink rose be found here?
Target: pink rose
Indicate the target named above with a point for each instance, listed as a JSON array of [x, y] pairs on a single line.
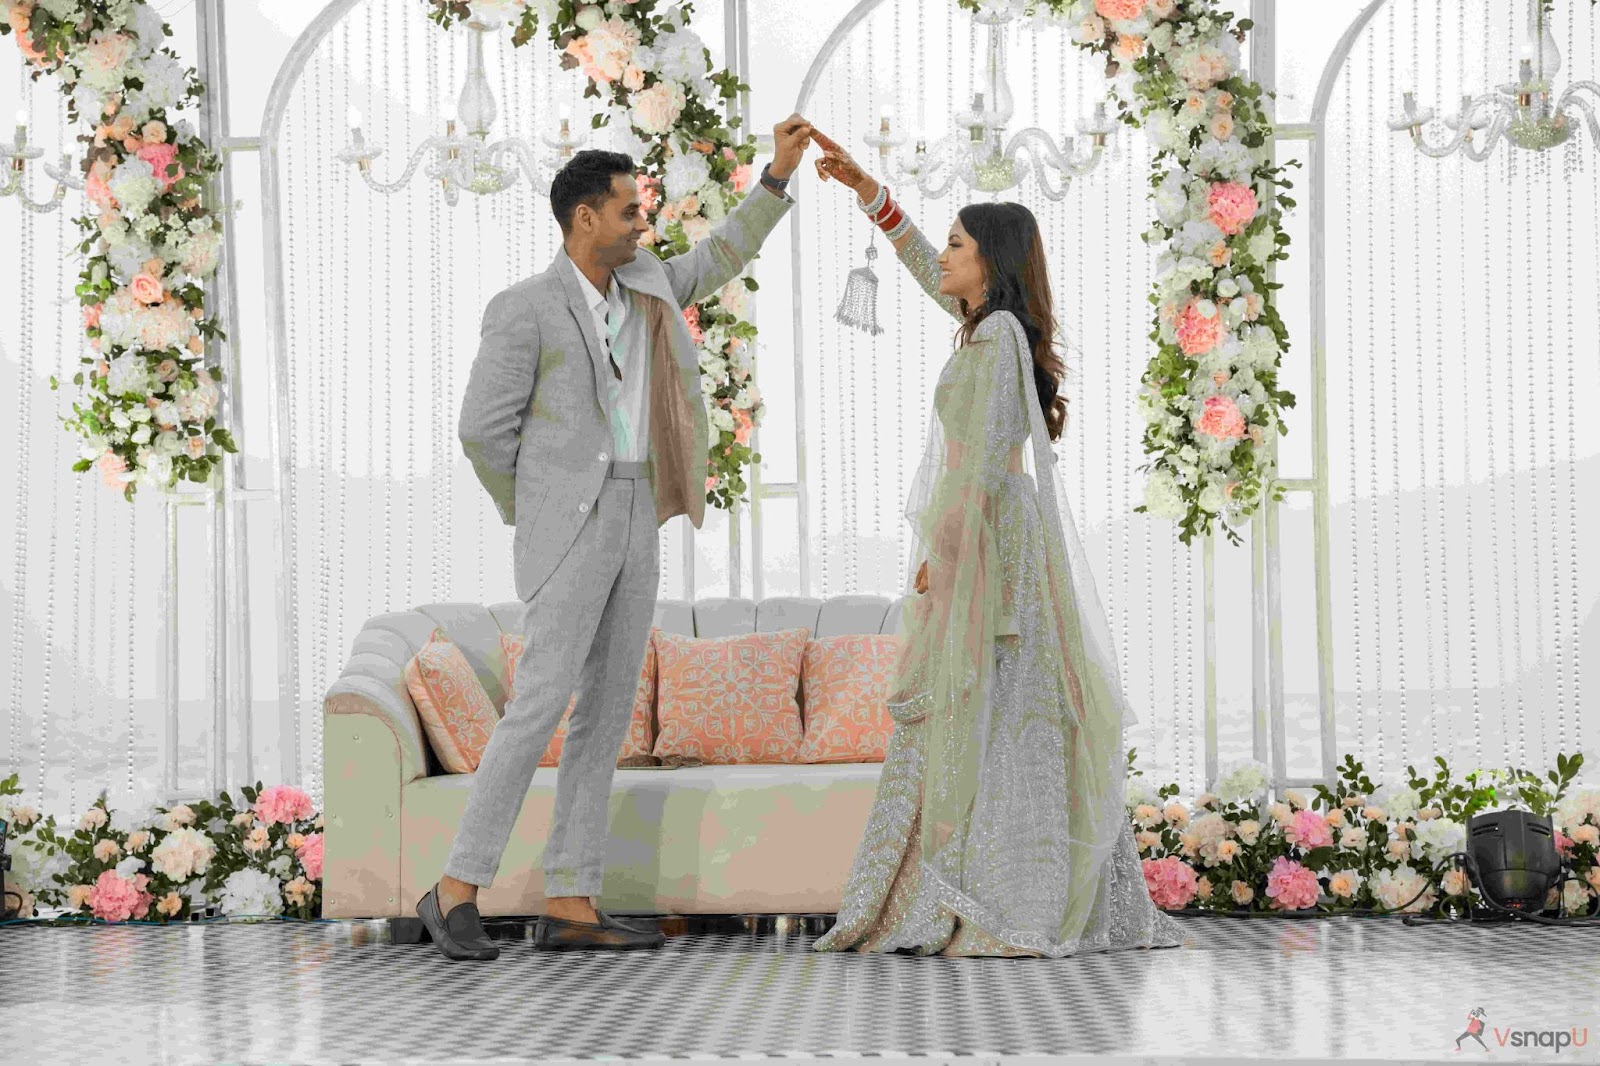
[[1122, 10], [741, 177], [146, 289], [1198, 334], [167, 370], [310, 855], [1290, 885], [711, 482], [91, 315], [161, 157], [1222, 419], [691, 316], [1171, 881], [283, 803], [1563, 843], [116, 899], [1232, 206], [1309, 830]]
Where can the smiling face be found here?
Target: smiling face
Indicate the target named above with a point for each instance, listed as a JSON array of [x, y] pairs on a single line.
[[960, 267], [613, 229]]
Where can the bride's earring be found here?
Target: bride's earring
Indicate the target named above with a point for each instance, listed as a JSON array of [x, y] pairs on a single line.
[[858, 307]]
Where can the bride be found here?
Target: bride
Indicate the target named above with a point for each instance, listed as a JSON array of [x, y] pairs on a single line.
[[999, 825]]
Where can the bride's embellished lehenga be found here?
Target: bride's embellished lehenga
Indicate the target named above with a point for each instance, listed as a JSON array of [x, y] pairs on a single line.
[[999, 826]]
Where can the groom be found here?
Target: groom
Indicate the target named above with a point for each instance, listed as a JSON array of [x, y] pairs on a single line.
[[585, 420]]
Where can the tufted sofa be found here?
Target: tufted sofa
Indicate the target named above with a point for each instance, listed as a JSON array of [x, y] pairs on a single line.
[[769, 839]]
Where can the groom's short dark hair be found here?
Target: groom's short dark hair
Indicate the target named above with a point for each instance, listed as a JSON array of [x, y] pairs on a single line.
[[586, 179]]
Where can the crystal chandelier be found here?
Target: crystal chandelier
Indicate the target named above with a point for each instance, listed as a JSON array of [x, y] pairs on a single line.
[[1521, 111], [465, 158], [21, 153], [977, 151]]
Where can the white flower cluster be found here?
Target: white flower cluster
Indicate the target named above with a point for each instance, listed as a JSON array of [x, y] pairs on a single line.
[[251, 892]]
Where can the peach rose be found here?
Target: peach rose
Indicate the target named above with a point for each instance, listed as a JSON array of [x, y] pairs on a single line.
[[256, 839], [195, 447], [78, 896], [1128, 47], [170, 904], [1343, 885], [632, 78], [1455, 882], [154, 131], [1243, 893], [1222, 126], [1119, 10], [138, 841], [146, 289], [91, 315]]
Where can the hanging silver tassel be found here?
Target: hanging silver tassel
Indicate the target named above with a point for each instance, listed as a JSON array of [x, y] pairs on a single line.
[[858, 307]]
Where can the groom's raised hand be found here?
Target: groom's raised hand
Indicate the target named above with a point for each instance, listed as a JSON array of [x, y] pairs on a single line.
[[790, 138]]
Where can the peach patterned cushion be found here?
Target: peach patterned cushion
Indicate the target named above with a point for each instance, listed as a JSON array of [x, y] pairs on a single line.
[[845, 685], [730, 699], [638, 739], [456, 713]]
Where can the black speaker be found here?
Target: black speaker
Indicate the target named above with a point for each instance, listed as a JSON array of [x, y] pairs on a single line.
[[1513, 855]]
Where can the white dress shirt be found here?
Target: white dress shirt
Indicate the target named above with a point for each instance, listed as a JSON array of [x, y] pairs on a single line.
[[632, 356]]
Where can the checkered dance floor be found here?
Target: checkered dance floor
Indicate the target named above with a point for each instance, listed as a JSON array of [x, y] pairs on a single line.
[[1284, 991]]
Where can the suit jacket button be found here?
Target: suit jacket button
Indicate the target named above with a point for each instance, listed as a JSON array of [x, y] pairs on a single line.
[[602, 457], [583, 508]]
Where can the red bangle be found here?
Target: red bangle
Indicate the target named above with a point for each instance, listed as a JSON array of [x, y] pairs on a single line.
[[894, 219], [888, 206]]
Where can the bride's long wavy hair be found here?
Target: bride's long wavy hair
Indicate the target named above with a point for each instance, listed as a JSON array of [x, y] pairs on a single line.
[[1017, 279]]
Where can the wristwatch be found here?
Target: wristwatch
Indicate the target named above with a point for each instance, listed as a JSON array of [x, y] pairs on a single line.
[[777, 185]]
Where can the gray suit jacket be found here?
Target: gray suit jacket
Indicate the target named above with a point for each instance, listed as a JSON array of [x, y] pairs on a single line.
[[536, 419]]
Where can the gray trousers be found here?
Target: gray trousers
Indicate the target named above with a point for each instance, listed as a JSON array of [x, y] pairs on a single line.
[[595, 610]]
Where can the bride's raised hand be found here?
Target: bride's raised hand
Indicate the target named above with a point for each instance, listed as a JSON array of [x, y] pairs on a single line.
[[837, 164]]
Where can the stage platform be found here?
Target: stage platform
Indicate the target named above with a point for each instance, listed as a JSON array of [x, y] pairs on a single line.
[[1340, 990]]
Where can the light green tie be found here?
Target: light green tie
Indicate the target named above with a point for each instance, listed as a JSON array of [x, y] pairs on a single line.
[[621, 430]]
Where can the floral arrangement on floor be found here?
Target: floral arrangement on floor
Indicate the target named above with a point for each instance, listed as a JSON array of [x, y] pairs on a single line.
[[172, 863], [1210, 394], [1353, 848], [148, 408], [648, 67]]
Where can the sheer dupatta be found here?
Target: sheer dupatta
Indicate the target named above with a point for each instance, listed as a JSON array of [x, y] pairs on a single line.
[[983, 410]]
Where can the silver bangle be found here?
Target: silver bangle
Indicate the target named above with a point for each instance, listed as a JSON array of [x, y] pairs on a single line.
[[877, 201], [901, 228]]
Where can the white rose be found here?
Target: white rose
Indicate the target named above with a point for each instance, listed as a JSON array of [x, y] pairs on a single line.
[[656, 109]]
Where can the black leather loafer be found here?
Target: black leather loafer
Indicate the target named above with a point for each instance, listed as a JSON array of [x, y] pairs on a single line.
[[558, 934], [460, 934]]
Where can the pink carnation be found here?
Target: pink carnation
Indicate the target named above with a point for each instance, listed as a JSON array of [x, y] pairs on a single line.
[[1198, 334], [283, 803], [1221, 419], [1171, 881], [1232, 206], [160, 157], [98, 190], [1309, 830], [310, 855], [649, 192], [1119, 9], [691, 316], [116, 899], [111, 466], [1291, 886]]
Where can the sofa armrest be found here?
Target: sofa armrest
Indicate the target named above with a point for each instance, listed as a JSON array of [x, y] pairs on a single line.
[[362, 772]]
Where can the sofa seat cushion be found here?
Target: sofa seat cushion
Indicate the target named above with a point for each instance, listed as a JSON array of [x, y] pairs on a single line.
[[730, 699], [697, 840]]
